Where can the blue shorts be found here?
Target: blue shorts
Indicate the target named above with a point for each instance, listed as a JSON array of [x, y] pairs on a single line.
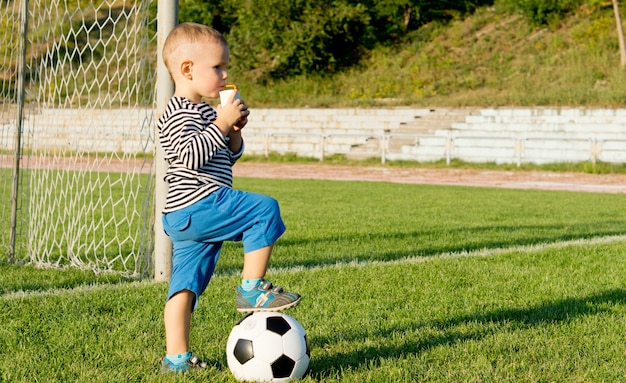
[[198, 231]]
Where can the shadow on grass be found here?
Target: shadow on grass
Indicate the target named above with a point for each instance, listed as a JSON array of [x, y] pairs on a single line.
[[15, 278], [419, 243], [459, 329]]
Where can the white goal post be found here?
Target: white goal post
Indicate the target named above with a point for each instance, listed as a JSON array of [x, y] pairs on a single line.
[[167, 20]]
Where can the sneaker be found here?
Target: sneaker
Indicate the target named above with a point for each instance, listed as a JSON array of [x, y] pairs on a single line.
[[192, 363], [265, 297]]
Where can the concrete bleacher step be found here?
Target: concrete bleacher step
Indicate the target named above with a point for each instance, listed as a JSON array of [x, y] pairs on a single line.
[[431, 122], [435, 119], [596, 124], [330, 121]]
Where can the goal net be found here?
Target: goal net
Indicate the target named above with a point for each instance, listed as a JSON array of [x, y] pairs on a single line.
[[83, 193]]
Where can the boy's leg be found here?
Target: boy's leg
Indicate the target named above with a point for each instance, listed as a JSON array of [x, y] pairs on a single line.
[[193, 263], [257, 294], [177, 318], [255, 262], [262, 231], [254, 219]]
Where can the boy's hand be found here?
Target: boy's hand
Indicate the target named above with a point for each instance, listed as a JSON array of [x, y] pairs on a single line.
[[243, 120], [232, 115]]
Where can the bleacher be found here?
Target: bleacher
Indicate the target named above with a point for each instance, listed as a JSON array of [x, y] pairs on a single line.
[[502, 135], [541, 135]]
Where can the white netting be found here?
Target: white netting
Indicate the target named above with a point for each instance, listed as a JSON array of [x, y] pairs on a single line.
[[87, 185]]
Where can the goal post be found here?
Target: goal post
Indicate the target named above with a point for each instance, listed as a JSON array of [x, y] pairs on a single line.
[[167, 17]]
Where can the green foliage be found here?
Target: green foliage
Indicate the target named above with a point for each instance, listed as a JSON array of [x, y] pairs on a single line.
[[218, 14], [354, 53], [278, 39], [407, 52], [493, 57], [541, 12]]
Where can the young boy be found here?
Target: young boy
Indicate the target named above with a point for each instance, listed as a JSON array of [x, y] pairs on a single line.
[[202, 210]]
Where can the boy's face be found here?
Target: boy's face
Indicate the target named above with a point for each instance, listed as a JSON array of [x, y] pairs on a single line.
[[208, 70]]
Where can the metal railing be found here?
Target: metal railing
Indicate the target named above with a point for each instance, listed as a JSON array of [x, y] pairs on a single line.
[[423, 148]]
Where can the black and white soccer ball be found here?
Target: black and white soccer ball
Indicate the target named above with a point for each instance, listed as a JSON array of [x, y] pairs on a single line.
[[268, 347]]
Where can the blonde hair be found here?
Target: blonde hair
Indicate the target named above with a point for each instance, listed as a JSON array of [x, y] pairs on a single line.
[[189, 33]]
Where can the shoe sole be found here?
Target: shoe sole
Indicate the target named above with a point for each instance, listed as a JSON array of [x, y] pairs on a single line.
[[269, 309]]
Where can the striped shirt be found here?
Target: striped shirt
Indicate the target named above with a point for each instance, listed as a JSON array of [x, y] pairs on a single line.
[[197, 152]]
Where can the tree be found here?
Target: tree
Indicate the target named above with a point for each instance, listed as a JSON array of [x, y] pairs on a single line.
[[620, 34], [276, 39]]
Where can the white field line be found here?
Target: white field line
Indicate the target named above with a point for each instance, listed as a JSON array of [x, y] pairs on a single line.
[[352, 264], [82, 289], [487, 252]]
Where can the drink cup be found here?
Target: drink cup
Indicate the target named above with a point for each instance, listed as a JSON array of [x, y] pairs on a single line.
[[227, 92]]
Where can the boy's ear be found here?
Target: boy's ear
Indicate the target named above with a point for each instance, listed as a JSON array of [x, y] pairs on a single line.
[[186, 69]]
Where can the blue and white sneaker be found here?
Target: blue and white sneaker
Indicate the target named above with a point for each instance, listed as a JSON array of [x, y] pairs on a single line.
[[265, 297], [192, 363]]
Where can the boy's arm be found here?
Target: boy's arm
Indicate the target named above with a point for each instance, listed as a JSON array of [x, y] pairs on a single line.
[[235, 141], [185, 138]]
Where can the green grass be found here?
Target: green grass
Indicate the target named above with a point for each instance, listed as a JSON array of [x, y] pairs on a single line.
[[401, 283], [590, 167]]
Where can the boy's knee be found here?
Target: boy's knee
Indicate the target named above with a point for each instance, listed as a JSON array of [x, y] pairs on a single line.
[[269, 205], [273, 204]]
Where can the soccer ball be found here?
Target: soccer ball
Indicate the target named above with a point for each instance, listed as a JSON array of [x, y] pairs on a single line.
[[268, 347]]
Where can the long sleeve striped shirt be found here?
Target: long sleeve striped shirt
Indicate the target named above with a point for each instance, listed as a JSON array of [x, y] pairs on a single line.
[[200, 161]]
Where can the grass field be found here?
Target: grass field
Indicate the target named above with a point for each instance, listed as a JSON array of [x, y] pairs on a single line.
[[401, 283]]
